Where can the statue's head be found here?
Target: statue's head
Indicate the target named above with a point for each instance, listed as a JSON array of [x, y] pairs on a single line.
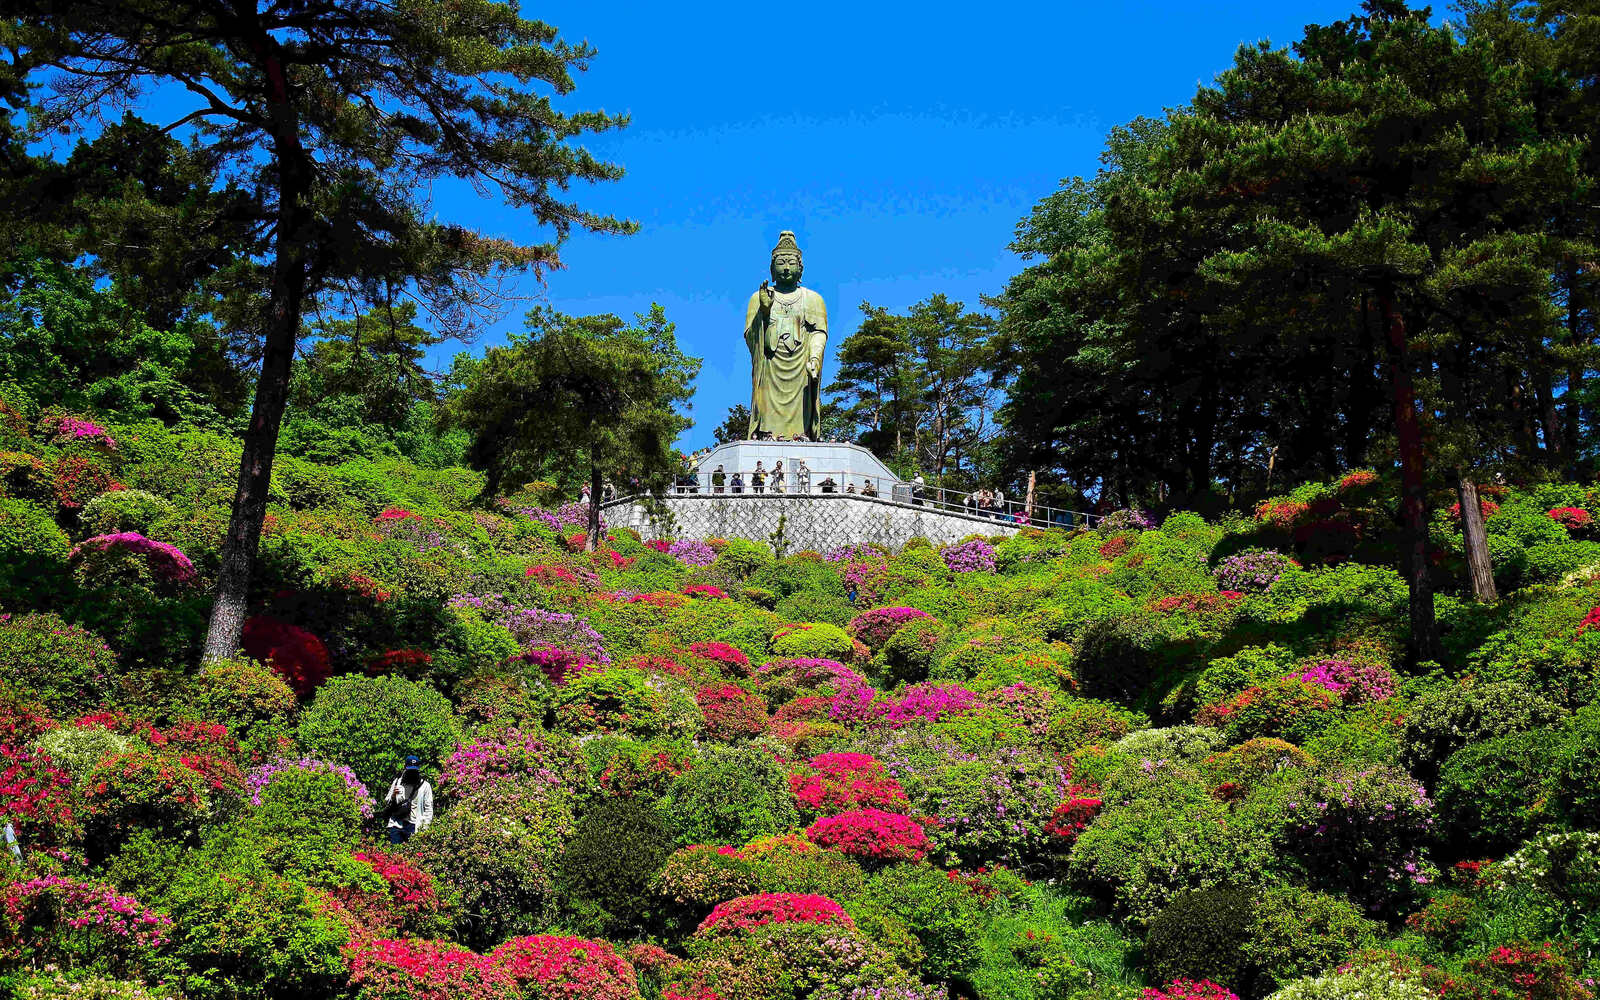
[[786, 266]]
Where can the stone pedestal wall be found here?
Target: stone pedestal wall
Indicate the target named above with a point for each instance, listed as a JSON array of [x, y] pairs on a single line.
[[814, 521]]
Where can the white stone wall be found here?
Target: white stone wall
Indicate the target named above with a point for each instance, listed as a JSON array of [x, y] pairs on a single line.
[[817, 521]]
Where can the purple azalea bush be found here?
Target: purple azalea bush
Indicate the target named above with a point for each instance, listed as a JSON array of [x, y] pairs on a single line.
[[976, 556], [1254, 570]]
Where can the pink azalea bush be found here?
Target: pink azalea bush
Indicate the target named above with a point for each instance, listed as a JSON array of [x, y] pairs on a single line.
[[404, 969], [45, 910], [554, 967], [747, 912], [493, 759], [834, 781], [167, 562], [1191, 989], [1356, 683], [876, 626], [871, 833], [929, 702]]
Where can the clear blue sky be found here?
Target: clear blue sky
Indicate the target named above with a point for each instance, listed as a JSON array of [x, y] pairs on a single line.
[[901, 143]]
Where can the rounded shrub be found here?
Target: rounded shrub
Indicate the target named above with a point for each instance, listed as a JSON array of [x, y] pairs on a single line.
[[373, 723], [244, 695], [1115, 659], [77, 749], [1575, 768], [1298, 932], [123, 510], [1448, 718], [626, 701], [1490, 794], [944, 916], [33, 554], [65, 667], [732, 795], [499, 866], [611, 860], [812, 641], [1202, 935]]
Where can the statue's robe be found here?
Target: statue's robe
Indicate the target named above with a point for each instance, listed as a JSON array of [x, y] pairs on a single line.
[[785, 401]]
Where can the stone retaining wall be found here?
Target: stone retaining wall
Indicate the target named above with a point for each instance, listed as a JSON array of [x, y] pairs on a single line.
[[808, 521]]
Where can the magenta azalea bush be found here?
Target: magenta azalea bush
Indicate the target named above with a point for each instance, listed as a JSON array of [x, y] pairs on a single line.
[[871, 833], [167, 562], [1355, 682], [876, 626]]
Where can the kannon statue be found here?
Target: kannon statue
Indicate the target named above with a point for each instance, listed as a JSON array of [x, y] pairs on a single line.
[[785, 327]]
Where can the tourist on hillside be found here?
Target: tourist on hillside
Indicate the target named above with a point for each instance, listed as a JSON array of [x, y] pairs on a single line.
[[583, 495], [917, 484], [850, 487], [758, 479], [999, 505], [409, 803], [777, 477]]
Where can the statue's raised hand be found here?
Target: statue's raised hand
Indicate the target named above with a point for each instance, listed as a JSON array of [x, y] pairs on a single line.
[[764, 296]]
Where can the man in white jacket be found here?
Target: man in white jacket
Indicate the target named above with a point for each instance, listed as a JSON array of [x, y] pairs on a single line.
[[409, 803]]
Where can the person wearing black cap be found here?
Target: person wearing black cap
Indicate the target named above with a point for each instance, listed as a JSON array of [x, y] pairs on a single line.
[[409, 803]]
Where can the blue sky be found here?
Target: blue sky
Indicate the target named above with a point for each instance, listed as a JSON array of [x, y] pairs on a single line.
[[901, 143]]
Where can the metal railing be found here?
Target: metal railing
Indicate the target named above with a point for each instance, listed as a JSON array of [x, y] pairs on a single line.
[[813, 482]]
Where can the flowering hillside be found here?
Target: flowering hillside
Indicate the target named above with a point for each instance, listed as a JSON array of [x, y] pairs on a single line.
[[1165, 758]]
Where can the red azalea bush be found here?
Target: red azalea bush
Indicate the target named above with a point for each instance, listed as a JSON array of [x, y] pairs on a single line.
[[746, 912], [1281, 513], [411, 901], [1522, 970], [1485, 505], [34, 794], [832, 782], [724, 655], [1590, 620], [1572, 518], [171, 795], [1197, 604], [871, 833], [401, 969], [294, 654], [406, 662], [1356, 480], [731, 712], [705, 590], [1190, 989], [876, 626], [1115, 546], [551, 967], [1071, 818]]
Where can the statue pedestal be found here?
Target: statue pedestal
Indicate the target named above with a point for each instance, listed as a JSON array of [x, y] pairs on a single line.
[[844, 464]]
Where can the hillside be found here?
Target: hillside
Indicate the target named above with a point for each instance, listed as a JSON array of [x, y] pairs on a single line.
[[1169, 754]]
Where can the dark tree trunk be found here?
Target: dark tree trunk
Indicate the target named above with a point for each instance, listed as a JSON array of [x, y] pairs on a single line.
[[1549, 423], [1413, 478], [1480, 571], [1574, 375], [291, 254], [595, 486]]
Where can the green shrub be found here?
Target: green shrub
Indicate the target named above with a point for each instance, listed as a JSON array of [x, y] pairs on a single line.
[[1115, 659], [247, 697], [77, 749], [123, 510], [908, 654], [1489, 794], [732, 795], [627, 701], [250, 936], [1084, 722], [371, 723], [812, 640], [740, 559], [68, 669], [1375, 982], [81, 986], [611, 861], [1575, 768], [1202, 935], [1450, 717], [1297, 932], [1228, 675], [500, 866], [808, 606], [33, 554], [305, 825], [942, 915]]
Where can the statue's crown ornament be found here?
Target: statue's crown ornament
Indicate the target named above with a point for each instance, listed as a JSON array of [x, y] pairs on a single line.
[[786, 245]]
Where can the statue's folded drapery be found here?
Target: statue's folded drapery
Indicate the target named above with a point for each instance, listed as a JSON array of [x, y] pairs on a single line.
[[785, 395]]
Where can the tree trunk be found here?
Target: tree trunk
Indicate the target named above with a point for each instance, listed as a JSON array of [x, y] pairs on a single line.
[[1033, 480], [286, 301], [1479, 568], [592, 544], [1554, 440], [1574, 375], [1413, 498]]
